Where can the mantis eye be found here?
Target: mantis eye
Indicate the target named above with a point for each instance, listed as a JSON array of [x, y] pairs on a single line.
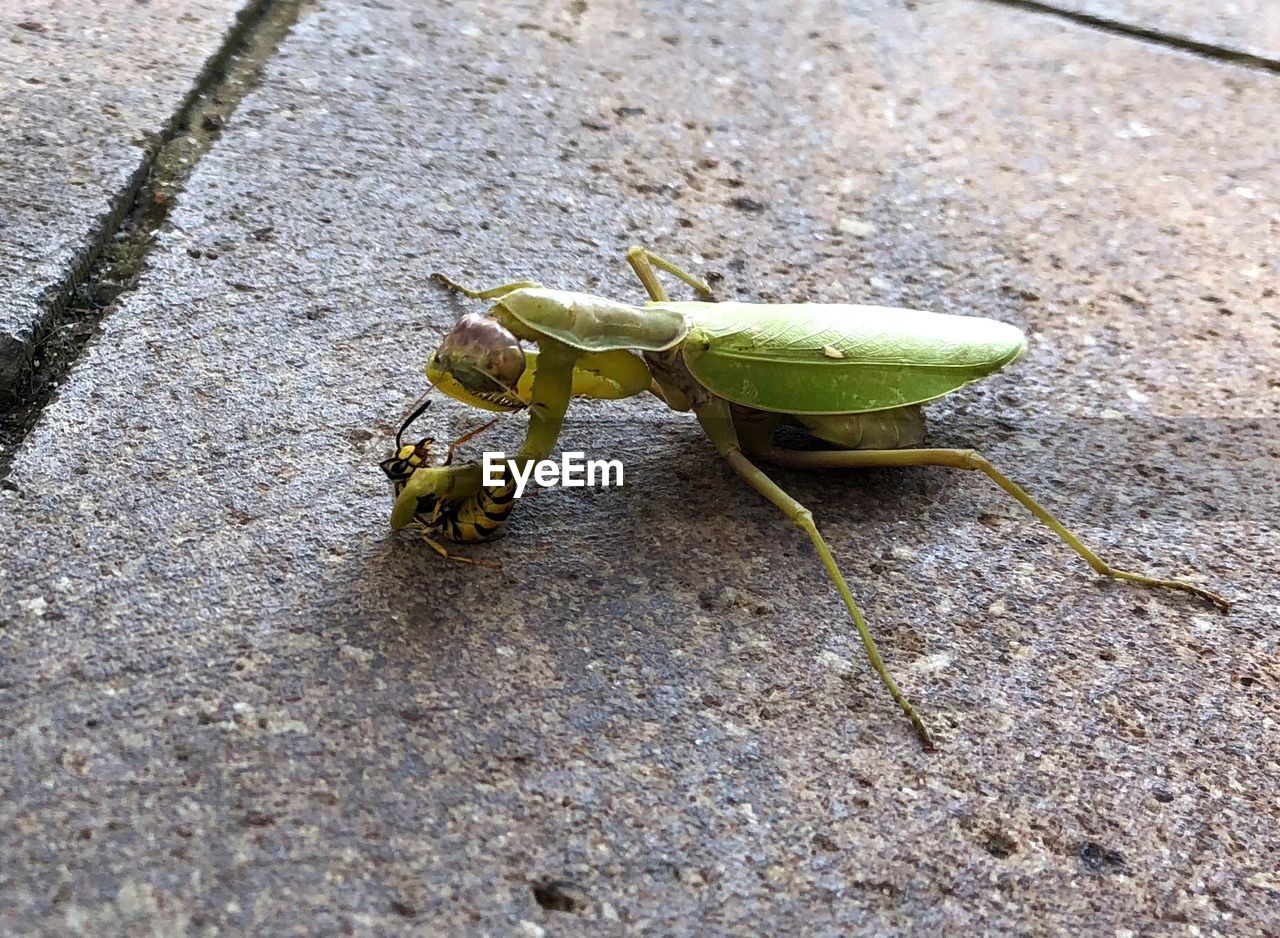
[[481, 356]]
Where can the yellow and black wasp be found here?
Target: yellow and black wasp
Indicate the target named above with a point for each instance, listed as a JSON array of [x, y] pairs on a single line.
[[466, 520]]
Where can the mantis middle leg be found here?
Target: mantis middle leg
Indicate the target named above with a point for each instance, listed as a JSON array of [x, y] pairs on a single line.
[[717, 421], [643, 261], [969, 459]]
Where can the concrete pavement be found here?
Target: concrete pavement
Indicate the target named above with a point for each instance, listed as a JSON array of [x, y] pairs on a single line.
[[1250, 26], [86, 93], [235, 702]]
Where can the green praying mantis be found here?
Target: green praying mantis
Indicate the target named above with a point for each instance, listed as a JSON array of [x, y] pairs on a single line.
[[854, 377]]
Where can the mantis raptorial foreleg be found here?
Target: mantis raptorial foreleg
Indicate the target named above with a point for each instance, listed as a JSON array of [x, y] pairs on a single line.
[[718, 423], [969, 459], [552, 384], [643, 261], [549, 399]]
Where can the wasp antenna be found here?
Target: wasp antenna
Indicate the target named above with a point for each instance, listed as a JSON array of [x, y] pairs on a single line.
[[419, 408]]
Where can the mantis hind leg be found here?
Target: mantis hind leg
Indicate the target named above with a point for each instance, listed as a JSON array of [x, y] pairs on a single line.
[[643, 261], [492, 293], [718, 423], [969, 459]]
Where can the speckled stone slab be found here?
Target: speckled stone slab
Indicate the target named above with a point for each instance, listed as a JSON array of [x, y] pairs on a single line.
[[1251, 26], [85, 89], [233, 701]]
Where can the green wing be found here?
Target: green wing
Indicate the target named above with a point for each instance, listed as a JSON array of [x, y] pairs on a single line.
[[820, 358], [594, 323]]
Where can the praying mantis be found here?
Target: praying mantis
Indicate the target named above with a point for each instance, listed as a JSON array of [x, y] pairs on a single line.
[[854, 377]]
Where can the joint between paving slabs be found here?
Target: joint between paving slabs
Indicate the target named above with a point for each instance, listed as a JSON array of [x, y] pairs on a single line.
[[117, 254], [1207, 50]]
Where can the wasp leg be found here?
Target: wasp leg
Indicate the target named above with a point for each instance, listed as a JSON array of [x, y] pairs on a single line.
[[492, 293], [444, 552], [469, 435], [969, 459], [643, 261], [717, 420]]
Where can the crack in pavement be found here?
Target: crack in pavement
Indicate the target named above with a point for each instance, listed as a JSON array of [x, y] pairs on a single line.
[[1117, 27], [119, 250]]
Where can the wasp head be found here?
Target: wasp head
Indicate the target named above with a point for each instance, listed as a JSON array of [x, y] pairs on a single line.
[[409, 457]]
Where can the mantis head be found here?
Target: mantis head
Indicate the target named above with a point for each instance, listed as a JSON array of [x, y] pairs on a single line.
[[479, 363]]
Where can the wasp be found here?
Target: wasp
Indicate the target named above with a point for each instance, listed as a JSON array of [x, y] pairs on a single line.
[[469, 519]]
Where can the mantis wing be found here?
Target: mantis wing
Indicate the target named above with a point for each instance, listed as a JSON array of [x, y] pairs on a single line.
[[828, 358], [594, 323]]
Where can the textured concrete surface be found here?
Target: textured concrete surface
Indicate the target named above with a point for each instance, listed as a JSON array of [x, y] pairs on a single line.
[[1247, 25], [85, 89], [232, 700]]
